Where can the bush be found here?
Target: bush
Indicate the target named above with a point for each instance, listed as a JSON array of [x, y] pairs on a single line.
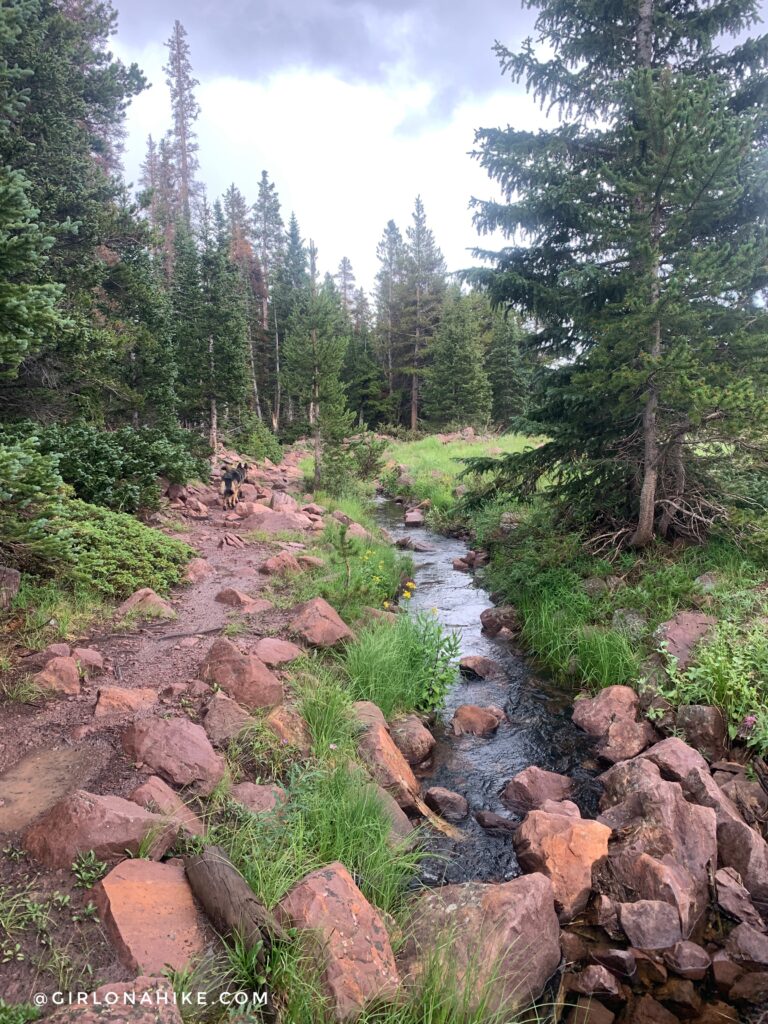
[[257, 441]]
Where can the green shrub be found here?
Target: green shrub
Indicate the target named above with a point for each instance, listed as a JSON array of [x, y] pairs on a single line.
[[257, 441]]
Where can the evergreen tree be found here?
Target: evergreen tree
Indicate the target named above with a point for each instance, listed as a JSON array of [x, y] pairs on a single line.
[[345, 281], [292, 282], [509, 370], [190, 347], [390, 306], [645, 212], [456, 387], [186, 111], [270, 241], [363, 377]]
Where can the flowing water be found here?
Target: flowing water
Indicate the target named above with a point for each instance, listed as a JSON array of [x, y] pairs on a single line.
[[539, 731]]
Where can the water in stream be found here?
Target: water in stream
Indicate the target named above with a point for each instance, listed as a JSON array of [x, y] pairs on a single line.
[[539, 731]]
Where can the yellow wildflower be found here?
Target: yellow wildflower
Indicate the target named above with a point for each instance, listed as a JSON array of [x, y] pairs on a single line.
[[407, 595]]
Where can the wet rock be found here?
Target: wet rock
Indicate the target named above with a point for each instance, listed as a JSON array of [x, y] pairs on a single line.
[[89, 660], [275, 652], [748, 947], [565, 849], [733, 899], [594, 980], [319, 624], [471, 720], [646, 1010], [680, 996], [199, 569], [143, 1001], [358, 966], [589, 1011], [681, 634], [258, 799], [289, 728], [177, 750], [460, 565], [741, 848], [156, 796], [150, 916], [496, 619], [145, 603], [388, 766], [414, 517], [449, 805], [650, 924], [224, 719], [244, 677], [751, 990], [280, 565], [108, 825], [532, 786], [596, 714], [414, 741], [495, 822], [704, 728], [60, 675], [688, 960], [474, 666], [118, 700]]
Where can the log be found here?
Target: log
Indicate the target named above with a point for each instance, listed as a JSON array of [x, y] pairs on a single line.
[[228, 900]]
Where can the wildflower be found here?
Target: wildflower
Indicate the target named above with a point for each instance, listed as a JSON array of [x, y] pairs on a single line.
[[407, 595], [386, 604], [332, 746]]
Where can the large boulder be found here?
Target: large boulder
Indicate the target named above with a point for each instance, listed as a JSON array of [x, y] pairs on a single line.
[[471, 720], [565, 849], [611, 716], [532, 786], [387, 765], [244, 677], [108, 825], [351, 942], [178, 750], [319, 624], [499, 944], [412, 738]]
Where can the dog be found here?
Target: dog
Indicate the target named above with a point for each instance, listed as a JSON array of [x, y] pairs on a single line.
[[232, 479]]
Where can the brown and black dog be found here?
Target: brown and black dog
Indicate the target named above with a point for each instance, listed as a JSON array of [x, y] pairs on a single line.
[[232, 479]]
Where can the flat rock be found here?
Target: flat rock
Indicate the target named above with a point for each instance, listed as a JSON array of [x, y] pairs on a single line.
[[740, 847], [60, 675], [475, 666], [449, 805], [107, 825], [681, 634], [471, 720], [532, 786], [290, 728], [277, 522], [282, 502], [145, 603], [150, 916], [414, 517], [119, 700], [412, 738], [142, 1001], [275, 652], [158, 797], [319, 624], [258, 799], [650, 924], [225, 719], [358, 965], [177, 750], [244, 677]]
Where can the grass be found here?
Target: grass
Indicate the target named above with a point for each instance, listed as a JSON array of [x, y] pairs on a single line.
[[45, 612]]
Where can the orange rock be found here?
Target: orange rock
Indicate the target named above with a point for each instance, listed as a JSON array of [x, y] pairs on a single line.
[[118, 700], [279, 565], [197, 570], [60, 675], [275, 652], [225, 719], [388, 766], [178, 750], [244, 677], [320, 624], [146, 602], [290, 728], [471, 720], [158, 797]]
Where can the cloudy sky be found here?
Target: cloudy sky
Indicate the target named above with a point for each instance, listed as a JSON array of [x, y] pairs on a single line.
[[352, 106]]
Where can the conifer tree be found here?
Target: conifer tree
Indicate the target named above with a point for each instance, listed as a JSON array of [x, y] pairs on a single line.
[[363, 377], [509, 370], [345, 282], [456, 386], [270, 240], [292, 282], [186, 111], [390, 305], [645, 213]]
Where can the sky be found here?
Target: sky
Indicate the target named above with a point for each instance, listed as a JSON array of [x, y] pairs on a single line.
[[353, 108]]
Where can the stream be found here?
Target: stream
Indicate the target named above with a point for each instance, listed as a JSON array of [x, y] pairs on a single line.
[[539, 731]]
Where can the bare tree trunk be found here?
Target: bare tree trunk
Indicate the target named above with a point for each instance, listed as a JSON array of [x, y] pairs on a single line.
[[214, 415]]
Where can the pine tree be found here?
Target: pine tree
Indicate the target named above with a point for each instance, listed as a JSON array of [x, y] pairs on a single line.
[[345, 281], [390, 306], [645, 214], [270, 240], [186, 111], [456, 386], [362, 375], [292, 282], [509, 370]]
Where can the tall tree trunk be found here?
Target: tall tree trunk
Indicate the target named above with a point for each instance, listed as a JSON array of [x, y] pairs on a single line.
[[416, 354], [278, 384], [213, 437]]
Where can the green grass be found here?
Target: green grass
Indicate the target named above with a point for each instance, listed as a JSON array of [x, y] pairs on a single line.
[[50, 612]]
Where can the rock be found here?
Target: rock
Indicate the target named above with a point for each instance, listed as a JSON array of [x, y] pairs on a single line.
[[224, 719], [150, 916], [108, 825], [319, 624], [650, 924], [367, 713], [460, 565], [352, 945], [145, 603], [606, 916], [244, 677], [143, 1001], [725, 972], [650, 969], [495, 822], [309, 562], [646, 1010], [314, 509], [565, 849], [258, 799], [688, 960], [596, 714], [532, 786], [619, 961], [704, 728], [674, 759], [118, 700], [449, 805], [626, 739], [414, 517], [589, 1011], [681, 634], [748, 947], [280, 565], [748, 796], [496, 619], [289, 728], [199, 569], [159, 798], [716, 1012], [751, 990], [177, 750], [10, 582], [741, 848], [593, 980], [733, 899], [401, 824], [358, 532], [341, 517], [270, 522], [388, 766], [567, 807], [233, 598], [89, 661], [497, 942], [282, 502], [471, 720], [56, 651], [594, 586], [474, 666], [60, 675], [412, 738], [629, 622], [275, 652], [680, 996], [575, 947]]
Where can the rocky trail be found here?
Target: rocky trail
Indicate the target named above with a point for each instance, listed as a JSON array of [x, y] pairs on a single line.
[[616, 867]]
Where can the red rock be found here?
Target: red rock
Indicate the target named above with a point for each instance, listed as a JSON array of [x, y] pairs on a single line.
[[159, 798], [499, 942], [650, 924], [606, 916], [290, 728], [682, 633], [358, 966], [414, 517], [565, 849], [496, 619], [89, 661], [225, 719], [198, 569], [589, 1011], [650, 970], [142, 1001], [56, 651], [688, 960], [414, 741], [471, 720], [118, 700], [60, 675], [567, 807], [401, 825], [741, 848], [628, 779], [277, 522], [596, 714], [146, 603], [309, 562], [449, 805], [280, 565], [749, 796], [680, 996], [620, 961], [646, 1010], [258, 799], [313, 509], [593, 980], [234, 598], [319, 624], [108, 825], [150, 916], [751, 990], [460, 565], [358, 532], [341, 517], [367, 713], [532, 786], [177, 750], [388, 766], [275, 652], [625, 739], [674, 758], [725, 971], [716, 1012], [244, 677], [733, 898], [474, 666], [704, 728], [495, 822], [748, 947]]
